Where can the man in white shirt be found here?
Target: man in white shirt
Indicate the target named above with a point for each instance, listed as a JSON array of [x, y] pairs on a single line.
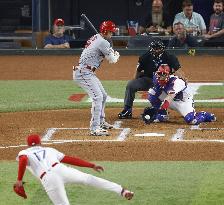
[[193, 22], [45, 163]]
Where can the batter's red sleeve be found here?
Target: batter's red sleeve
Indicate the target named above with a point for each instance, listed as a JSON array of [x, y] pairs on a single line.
[[77, 162], [23, 160]]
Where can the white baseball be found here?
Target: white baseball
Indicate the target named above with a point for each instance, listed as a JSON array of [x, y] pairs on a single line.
[[147, 117]]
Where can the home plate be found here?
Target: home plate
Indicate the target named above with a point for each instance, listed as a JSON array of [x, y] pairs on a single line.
[[150, 134]]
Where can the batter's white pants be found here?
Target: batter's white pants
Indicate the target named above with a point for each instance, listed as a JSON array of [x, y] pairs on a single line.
[[87, 80], [54, 181]]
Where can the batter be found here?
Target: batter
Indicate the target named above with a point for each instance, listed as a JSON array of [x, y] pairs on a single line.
[[96, 49]]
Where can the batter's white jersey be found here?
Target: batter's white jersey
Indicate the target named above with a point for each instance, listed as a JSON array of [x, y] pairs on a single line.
[[95, 50], [41, 159]]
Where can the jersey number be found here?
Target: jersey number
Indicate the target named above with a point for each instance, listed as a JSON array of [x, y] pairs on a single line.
[[93, 38], [40, 155]]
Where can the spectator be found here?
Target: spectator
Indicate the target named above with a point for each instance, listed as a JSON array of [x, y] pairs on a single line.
[[193, 22], [205, 8], [216, 27], [181, 38], [57, 39], [157, 21], [172, 7]]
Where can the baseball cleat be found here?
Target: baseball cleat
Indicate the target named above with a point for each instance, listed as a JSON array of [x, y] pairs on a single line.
[[99, 132], [105, 125], [210, 117], [125, 114], [213, 118], [127, 194]]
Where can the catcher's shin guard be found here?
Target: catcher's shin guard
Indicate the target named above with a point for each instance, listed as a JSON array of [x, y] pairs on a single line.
[[209, 117], [162, 116], [197, 118]]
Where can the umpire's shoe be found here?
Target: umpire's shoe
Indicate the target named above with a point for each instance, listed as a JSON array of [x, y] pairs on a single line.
[[99, 132], [125, 114]]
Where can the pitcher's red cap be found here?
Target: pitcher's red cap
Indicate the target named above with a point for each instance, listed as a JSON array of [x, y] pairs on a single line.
[[33, 140]]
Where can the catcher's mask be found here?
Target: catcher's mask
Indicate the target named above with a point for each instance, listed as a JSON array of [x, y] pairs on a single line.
[[107, 26], [156, 48], [163, 74], [33, 140]]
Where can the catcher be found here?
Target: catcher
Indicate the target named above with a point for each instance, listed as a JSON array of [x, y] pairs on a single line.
[[46, 164], [172, 91]]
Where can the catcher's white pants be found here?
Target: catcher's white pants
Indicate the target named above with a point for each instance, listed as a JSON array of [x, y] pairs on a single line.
[[54, 181], [184, 106], [87, 80]]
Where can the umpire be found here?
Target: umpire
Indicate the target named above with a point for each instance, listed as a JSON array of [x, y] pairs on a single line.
[[148, 63]]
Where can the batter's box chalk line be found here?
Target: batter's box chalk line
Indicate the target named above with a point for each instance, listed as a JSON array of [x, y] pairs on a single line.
[[117, 125], [179, 135]]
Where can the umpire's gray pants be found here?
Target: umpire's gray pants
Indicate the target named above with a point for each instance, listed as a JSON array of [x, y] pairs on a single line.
[[139, 84], [87, 80]]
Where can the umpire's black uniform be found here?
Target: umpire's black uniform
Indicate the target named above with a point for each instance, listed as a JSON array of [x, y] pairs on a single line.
[[147, 65]]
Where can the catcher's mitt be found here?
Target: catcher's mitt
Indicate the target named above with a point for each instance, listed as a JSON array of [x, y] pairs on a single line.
[[19, 190], [149, 114]]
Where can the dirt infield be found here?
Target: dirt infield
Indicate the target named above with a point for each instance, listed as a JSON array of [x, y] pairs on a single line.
[[198, 68], [15, 126]]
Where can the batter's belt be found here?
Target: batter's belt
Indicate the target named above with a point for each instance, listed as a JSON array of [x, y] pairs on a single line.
[[93, 69]]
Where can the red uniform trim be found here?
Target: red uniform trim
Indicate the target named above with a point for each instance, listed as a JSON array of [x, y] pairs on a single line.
[[77, 162], [23, 160], [165, 105]]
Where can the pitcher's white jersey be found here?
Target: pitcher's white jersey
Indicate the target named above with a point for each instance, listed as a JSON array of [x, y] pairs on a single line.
[[95, 50], [41, 159]]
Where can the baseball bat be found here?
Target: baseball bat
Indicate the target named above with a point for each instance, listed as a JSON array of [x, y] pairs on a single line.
[[84, 17]]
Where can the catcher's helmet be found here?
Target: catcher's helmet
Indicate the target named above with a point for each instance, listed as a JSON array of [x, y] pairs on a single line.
[[156, 47], [163, 74], [107, 26], [33, 140]]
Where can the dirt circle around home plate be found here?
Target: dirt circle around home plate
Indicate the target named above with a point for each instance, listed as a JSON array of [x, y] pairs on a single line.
[[198, 144]]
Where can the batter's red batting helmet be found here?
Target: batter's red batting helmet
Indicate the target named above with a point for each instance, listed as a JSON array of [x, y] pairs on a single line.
[[107, 26], [33, 140]]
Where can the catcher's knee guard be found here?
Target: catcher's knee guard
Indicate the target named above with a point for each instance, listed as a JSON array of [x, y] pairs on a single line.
[[189, 117]]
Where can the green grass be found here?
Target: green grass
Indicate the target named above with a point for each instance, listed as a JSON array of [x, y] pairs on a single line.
[[210, 92], [154, 183], [26, 95]]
